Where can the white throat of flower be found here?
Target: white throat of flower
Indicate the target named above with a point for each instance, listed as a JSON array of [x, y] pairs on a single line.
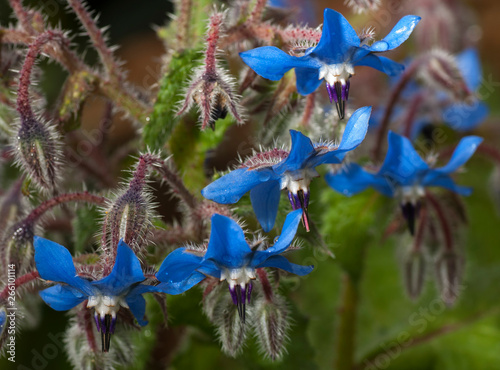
[[333, 73], [298, 180], [106, 305], [410, 194], [238, 276]]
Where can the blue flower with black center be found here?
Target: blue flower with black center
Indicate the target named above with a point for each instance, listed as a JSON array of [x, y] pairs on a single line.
[[229, 257], [404, 174], [339, 50], [267, 173], [121, 288]]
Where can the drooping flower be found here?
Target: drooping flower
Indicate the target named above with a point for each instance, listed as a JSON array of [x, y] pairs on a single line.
[[339, 50], [265, 174], [404, 174], [121, 288], [229, 257]]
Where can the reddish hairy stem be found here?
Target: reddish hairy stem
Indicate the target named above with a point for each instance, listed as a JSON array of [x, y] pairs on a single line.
[[177, 185], [26, 278], [183, 22], [445, 226], [22, 15], [490, 152], [266, 285], [86, 323], [412, 113], [212, 39], [256, 14], [308, 109], [419, 235]]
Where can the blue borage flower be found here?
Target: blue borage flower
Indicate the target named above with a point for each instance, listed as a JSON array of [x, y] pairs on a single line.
[[229, 257], [267, 173], [404, 174], [339, 50], [121, 288]]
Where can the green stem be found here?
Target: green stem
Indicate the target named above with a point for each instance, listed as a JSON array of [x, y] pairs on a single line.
[[347, 324]]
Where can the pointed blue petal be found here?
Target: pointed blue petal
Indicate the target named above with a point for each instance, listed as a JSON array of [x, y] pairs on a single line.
[[227, 246], [54, 262], [272, 63], [62, 297], [307, 80], [337, 38], [302, 149], [464, 150], [265, 199], [282, 263], [354, 133], [469, 64], [380, 63], [399, 34], [231, 187], [353, 179], [465, 117], [126, 271], [181, 287], [284, 240], [178, 266], [402, 164], [137, 305], [445, 181]]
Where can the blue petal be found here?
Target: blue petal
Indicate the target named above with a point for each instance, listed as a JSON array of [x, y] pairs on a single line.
[[353, 179], [469, 64], [302, 149], [272, 63], [227, 245], [231, 187], [354, 133], [182, 286], [464, 150], [265, 199], [402, 162], [285, 239], [307, 80], [62, 297], [380, 63], [447, 182], [137, 305], [54, 262], [126, 271], [282, 263], [399, 34], [465, 117], [337, 38], [178, 266]]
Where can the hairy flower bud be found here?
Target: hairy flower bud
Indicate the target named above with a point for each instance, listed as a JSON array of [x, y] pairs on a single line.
[[271, 325], [414, 273], [17, 246], [37, 150], [449, 270], [11, 207]]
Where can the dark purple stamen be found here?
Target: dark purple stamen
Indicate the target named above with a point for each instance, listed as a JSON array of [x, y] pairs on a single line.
[[106, 325], [410, 213], [339, 93], [96, 318], [249, 291], [301, 200], [240, 297]]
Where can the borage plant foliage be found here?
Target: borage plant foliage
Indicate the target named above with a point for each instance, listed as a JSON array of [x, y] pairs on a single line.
[[142, 237]]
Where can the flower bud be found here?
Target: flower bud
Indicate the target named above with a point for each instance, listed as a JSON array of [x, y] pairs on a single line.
[[414, 273], [11, 206], [449, 270], [37, 151], [17, 246], [271, 326]]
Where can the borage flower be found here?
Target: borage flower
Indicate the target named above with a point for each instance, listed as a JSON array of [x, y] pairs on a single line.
[[229, 257], [121, 288], [265, 174], [405, 175], [339, 50]]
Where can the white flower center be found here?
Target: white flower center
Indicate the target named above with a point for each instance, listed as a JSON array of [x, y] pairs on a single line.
[[298, 180], [410, 194], [106, 305], [336, 73], [239, 276]]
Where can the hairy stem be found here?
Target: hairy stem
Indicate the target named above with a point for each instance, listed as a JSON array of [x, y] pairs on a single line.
[[345, 344], [20, 281], [445, 226]]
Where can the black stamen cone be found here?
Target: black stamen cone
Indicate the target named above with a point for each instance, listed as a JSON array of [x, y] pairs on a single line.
[[220, 111], [304, 203], [340, 102], [106, 332], [410, 213], [241, 297]]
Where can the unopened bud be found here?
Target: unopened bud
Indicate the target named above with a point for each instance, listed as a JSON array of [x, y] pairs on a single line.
[[11, 206], [414, 273], [449, 269], [37, 151], [271, 326], [18, 244], [440, 71]]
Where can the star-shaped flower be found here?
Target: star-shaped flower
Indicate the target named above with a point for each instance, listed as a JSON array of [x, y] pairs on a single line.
[[404, 174], [339, 50], [121, 288], [229, 257], [267, 173]]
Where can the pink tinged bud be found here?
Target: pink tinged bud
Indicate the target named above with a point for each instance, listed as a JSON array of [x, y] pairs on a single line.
[[440, 71], [449, 271], [271, 326], [38, 154], [414, 273]]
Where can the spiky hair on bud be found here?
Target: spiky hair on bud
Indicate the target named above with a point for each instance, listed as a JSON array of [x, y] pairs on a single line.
[[440, 71], [212, 89], [362, 6]]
